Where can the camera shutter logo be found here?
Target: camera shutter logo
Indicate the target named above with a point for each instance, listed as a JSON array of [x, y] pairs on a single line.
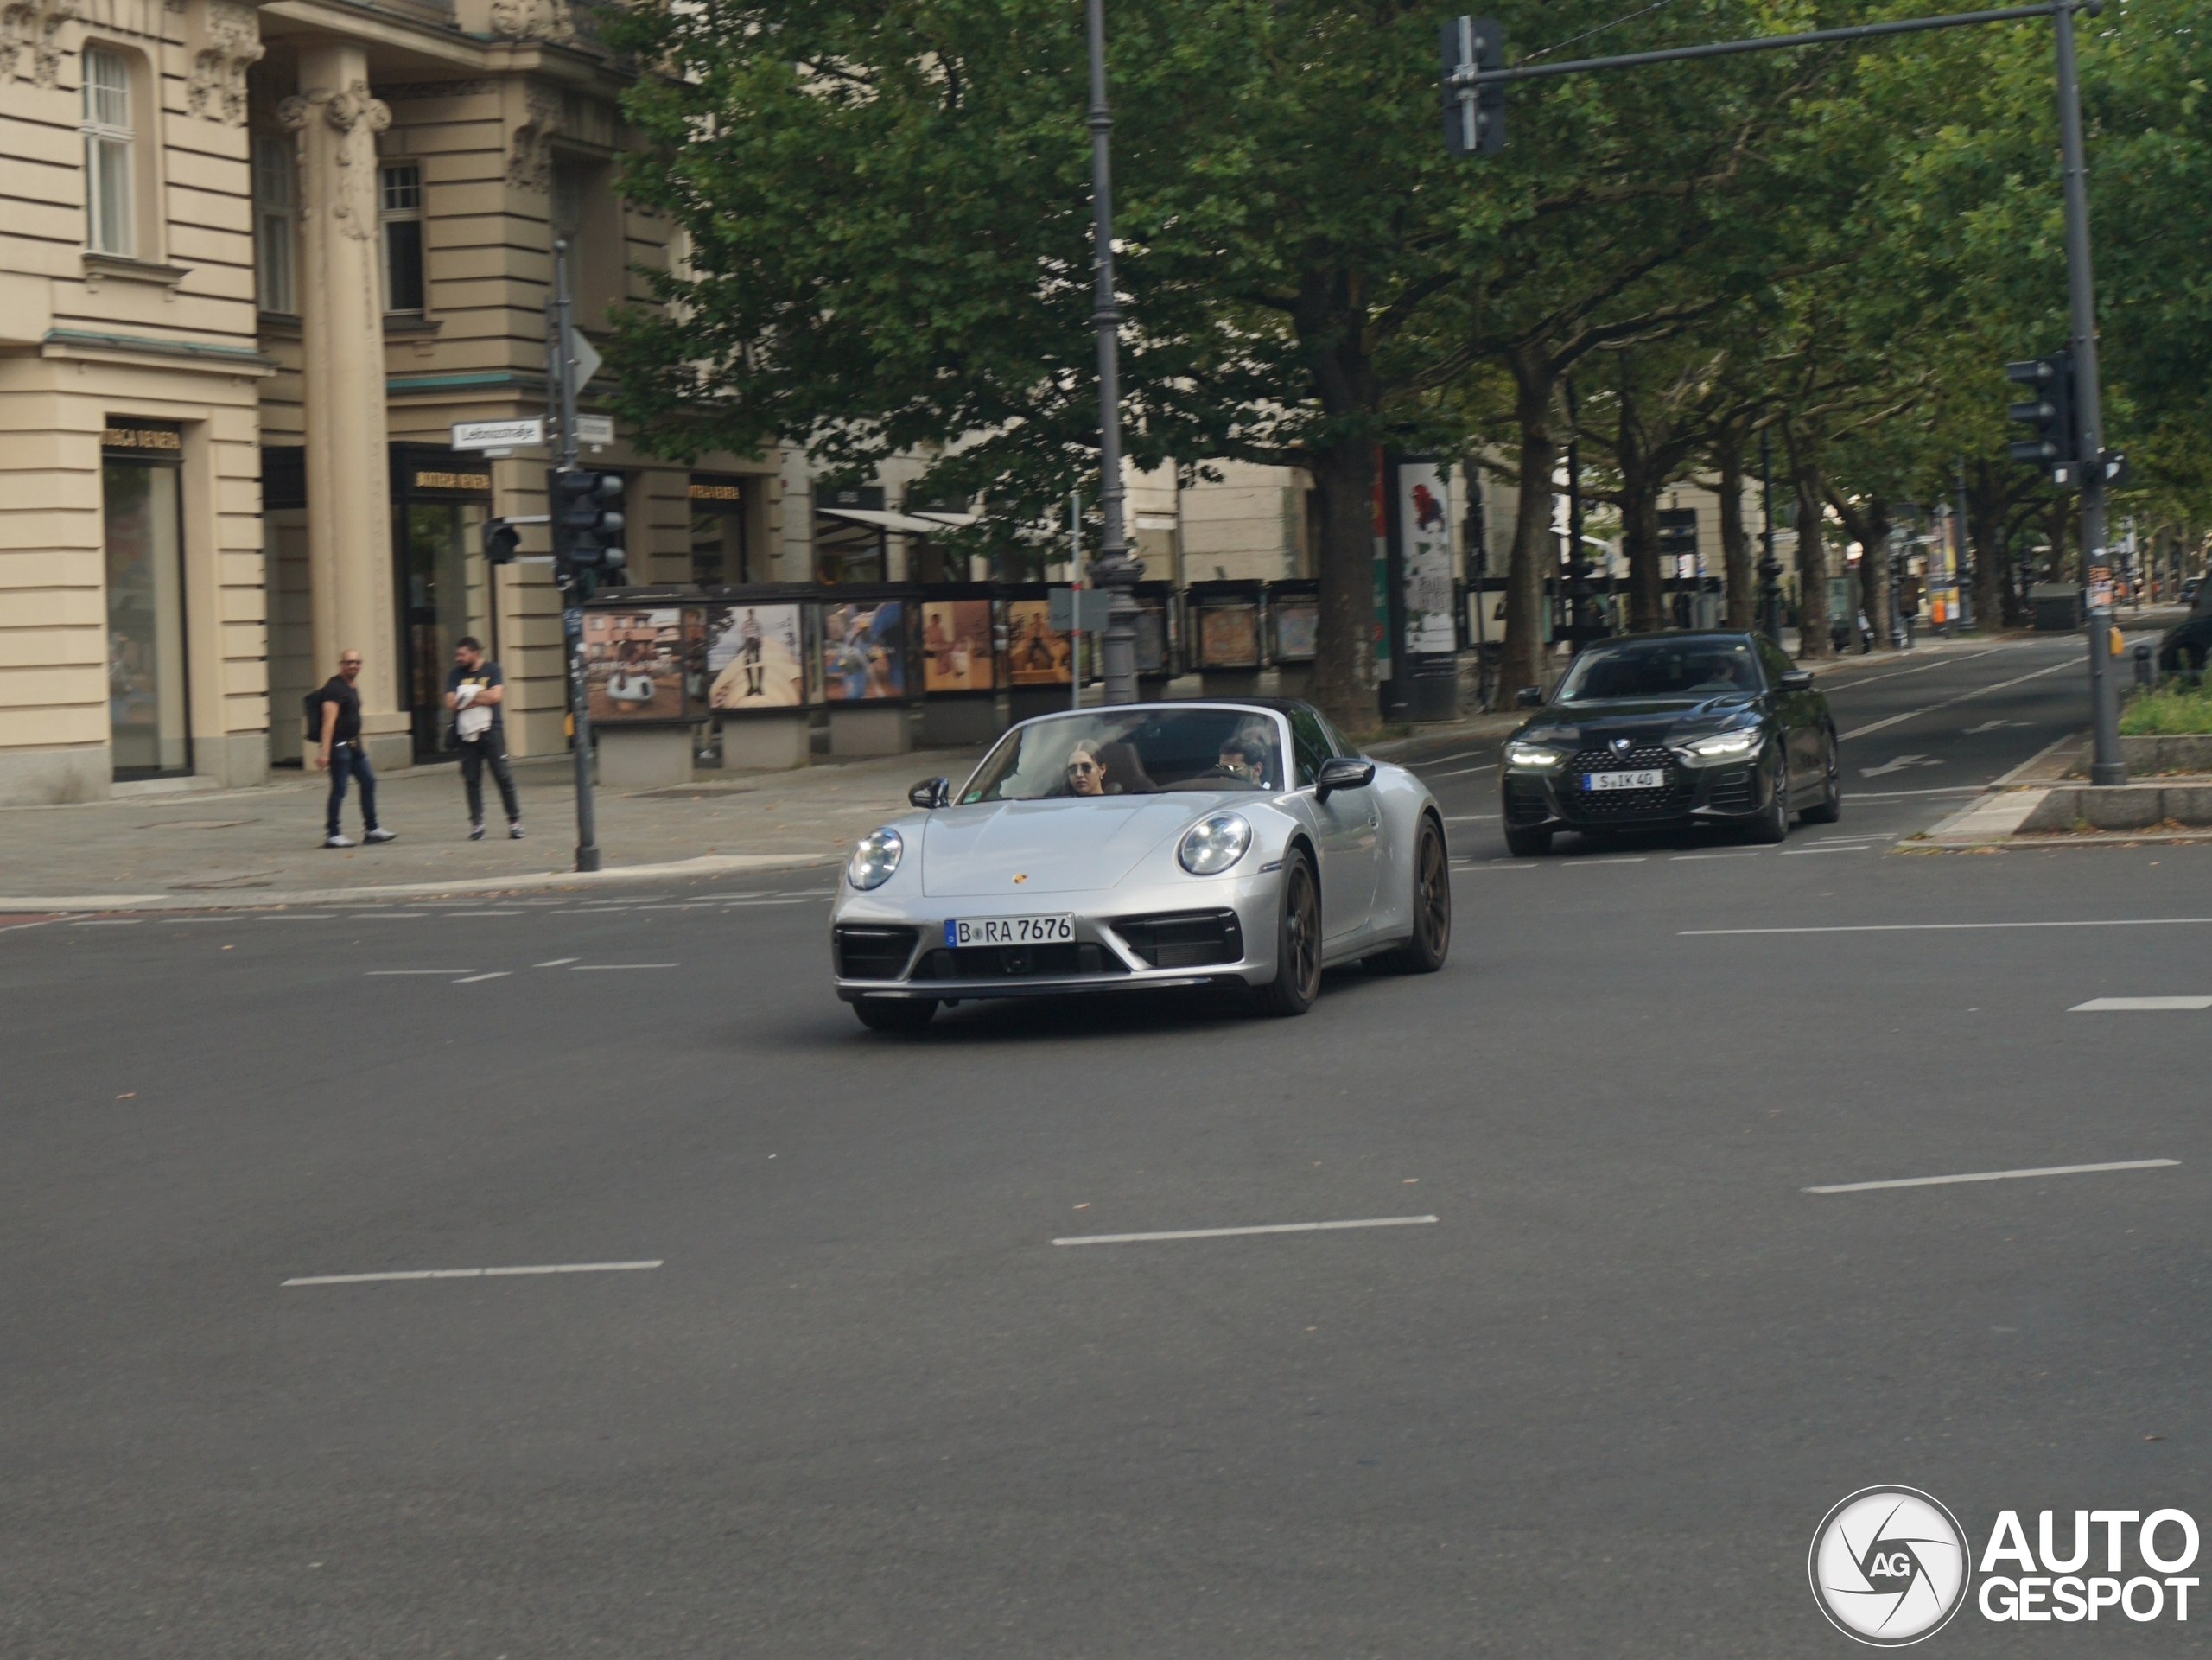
[[1889, 1566]]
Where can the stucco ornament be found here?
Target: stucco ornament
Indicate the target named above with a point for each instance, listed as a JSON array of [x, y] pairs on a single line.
[[227, 44], [356, 116], [30, 43]]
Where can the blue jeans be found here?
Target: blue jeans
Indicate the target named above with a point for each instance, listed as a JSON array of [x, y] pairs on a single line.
[[350, 761]]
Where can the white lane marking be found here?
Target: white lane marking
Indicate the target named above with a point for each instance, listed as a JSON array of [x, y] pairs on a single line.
[[392, 974], [177, 920], [1462, 772], [1438, 761], [111, 922], [496, 974], [1226, 1233], [487, 913], [2117, 1005], [1683, 858], [557, 963], [1898, 765], [1636, 860], [1899, 795], [1913, 714], [1992, 725], [1800, 853], [1899, 674], [301, 916], [739, 904], [696, 904], [1995, 1175], [1949, 927], [378, 916], [584, 968], [1470, 817], [474, 1273], [1493, 864]]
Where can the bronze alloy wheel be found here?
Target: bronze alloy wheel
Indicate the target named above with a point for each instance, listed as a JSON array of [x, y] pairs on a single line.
[[1298, 942], [1432, 905]]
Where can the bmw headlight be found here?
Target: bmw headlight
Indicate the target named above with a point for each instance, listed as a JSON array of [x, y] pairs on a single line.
[[1727, 745], [1213, 844], [1538, 755], [875, 859]]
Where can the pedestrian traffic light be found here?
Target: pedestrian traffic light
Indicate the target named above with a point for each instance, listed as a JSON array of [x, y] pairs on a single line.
[[502, 541], [2050, 410], [1474, 116], [586, 523]]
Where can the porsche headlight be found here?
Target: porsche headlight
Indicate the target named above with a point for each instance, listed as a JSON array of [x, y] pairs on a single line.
[[1213, 844], [1727, 745], [875, 859], [1538, 755]]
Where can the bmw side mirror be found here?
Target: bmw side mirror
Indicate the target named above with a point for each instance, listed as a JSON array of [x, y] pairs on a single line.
[[1529, 698], [931, 792], [1342, 772], [1797, 680]]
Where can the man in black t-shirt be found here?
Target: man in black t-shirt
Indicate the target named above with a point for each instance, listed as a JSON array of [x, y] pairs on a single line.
[[341, 754], [474, 691]]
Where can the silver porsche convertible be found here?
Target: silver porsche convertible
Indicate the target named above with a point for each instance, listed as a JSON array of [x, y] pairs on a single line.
[[1237, 842]]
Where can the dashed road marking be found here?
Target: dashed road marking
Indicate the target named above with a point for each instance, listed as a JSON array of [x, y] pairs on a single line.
[[1230, 1233], [474, 1273], [1997, 1175], [496, 974], [2136, 1005]]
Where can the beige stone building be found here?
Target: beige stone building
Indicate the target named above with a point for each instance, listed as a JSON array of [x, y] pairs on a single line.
[[256, 262]]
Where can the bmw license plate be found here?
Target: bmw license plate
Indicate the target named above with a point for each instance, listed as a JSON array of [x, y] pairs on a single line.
[[1650, 777], [1008, 931]]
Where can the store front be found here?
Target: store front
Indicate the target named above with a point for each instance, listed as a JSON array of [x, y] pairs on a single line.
[[722, 555], [440, 498], [148, 721]]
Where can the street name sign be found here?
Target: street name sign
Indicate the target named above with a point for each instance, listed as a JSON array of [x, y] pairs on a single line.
[[498, 434]]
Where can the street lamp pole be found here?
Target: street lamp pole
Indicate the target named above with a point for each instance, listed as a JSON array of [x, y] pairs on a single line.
[[2106, 766], [1113, 570]]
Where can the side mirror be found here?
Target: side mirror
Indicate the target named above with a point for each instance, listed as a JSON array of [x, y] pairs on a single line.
[[931, 792], [1342, 772], [1797, 679], [1529, 698]]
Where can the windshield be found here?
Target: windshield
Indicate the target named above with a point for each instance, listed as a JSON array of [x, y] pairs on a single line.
[[1147, 752], [1661, 668]]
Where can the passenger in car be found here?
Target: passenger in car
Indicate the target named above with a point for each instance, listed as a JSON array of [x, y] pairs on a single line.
[[1086, 773]]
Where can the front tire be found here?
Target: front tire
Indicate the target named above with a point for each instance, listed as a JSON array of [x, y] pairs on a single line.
[[895, 1014], [1527, 844], [1773, 824], [1432, 938], [1298, 942], [1830, 807]]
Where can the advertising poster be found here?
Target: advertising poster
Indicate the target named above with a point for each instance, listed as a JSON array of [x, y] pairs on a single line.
[[1298, 625], [1228, 637], [864, 651], [756, 658], [1037, 653], [1152, 637], [633, 664], [957, 645], [1425, 529]]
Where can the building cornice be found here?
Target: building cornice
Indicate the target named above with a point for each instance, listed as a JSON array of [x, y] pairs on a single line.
[[206, 354]]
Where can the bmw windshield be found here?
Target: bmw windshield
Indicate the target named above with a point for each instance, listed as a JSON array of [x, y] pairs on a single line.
[[1678, 669], [1148, 751]]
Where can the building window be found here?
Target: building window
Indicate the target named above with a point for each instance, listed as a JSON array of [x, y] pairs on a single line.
[[275, 217], [400, 208], [148, 722], [108, 211]]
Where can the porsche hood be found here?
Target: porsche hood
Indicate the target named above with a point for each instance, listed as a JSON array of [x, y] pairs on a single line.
[[1052, 847]]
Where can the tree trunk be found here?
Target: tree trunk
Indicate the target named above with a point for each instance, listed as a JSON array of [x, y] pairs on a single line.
[[1735, 546], [1994, 597], [1534, 557], [1812, 557], [1646, 587], [1343, 649], [1868, 522]]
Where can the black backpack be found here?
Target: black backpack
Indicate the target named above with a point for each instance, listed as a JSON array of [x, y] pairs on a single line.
[[312, 704]]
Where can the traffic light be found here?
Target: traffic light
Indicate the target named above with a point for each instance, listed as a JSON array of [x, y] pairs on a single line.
[[2049, 410], [586, 523], [502, 541], [1474, 116]]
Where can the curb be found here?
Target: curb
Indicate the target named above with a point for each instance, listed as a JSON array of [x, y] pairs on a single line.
[[715, 864]]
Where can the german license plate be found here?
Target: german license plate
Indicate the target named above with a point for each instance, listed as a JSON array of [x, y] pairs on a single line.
[[1650, 777], [1008, 931]]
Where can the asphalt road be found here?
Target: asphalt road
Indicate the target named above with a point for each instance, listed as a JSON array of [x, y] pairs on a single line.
[[864, 1405]]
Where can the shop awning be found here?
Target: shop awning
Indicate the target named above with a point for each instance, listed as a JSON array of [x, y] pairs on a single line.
[[911, 524]]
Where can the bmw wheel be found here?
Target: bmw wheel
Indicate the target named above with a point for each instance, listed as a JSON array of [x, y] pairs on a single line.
[[1298, 942], [1830, 807]]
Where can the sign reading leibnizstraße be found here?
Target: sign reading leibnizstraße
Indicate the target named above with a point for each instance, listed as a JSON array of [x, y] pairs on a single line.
[[498, 434]]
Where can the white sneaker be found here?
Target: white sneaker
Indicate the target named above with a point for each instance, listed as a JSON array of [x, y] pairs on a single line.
[[338, 841], [381, 835], [514, 831]]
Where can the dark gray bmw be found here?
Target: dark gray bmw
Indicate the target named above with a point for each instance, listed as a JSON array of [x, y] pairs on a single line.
[[1669, 730]]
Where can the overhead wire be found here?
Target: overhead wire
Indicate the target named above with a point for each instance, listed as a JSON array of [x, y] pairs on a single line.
[[1543, 52]]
